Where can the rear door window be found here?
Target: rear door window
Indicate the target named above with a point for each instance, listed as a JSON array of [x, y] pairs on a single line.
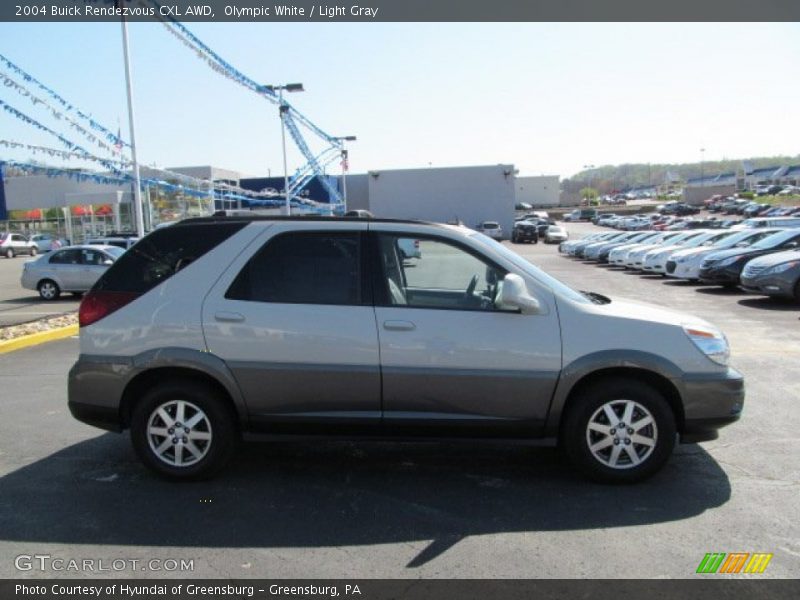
[[303, 268], [66, 257]]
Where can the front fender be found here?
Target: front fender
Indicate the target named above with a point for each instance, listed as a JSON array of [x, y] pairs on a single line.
[[575, 371]]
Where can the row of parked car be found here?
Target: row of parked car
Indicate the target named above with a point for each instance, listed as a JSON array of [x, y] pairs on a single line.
[[763, 260], [748, 208]]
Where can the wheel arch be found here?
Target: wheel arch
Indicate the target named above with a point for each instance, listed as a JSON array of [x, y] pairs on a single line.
[[147, 380], [651, 370], [156, 367]]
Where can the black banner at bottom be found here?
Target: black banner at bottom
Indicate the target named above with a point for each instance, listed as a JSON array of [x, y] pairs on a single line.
[[398, 589]]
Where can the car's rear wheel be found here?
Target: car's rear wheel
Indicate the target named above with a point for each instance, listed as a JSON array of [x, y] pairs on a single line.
[[183, 430], [48, 289], [619, 431]]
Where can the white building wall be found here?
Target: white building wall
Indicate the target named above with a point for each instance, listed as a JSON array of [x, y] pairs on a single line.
[[538, 191], [40, 191], [471, 194]]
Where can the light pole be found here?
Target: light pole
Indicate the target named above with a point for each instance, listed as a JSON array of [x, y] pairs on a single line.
[[591, 178], [345, 165], [138, 212], [283, 109], [702, 166]]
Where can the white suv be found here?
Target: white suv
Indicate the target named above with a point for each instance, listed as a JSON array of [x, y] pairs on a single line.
[[12, 244], [220, 328]]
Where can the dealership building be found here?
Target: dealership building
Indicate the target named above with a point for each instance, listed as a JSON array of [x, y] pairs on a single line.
[[469, 195]]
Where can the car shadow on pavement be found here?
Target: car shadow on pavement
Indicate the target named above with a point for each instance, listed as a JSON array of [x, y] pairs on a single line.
[[322, 494], [35, 299], [767, 303], [718, 290]]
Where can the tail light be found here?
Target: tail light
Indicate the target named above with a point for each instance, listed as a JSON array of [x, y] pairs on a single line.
[[98, 304]]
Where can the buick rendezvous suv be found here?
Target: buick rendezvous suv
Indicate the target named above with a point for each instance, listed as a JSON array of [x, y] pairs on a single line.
[[226, 328]]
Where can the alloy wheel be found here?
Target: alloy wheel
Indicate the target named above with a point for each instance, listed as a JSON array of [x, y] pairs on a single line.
[[179, 433], [621, 434]]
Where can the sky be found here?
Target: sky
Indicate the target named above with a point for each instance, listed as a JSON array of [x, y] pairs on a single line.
[[546, 97]]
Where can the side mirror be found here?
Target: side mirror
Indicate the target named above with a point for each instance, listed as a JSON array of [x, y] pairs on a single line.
[[514, 295]]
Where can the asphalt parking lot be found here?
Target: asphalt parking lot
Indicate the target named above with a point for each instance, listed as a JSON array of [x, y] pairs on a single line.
[[18, 305], [326, 509]]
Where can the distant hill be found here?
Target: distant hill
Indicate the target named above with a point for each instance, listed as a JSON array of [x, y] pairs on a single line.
[[615, 177]]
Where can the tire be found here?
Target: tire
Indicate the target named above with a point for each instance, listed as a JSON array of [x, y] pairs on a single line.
[[536, 240], [34, 251], [797, 291], [214, 436], [48, 290], [620, 395], [514, 238], [10, 253]]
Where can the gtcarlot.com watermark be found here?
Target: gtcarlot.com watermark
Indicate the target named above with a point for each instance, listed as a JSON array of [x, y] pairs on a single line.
[[50, 563]]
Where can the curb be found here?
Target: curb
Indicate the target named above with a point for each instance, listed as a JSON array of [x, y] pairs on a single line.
[[34, 339]]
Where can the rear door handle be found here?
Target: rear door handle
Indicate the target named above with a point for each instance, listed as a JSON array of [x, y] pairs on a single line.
[[229, 317], [399, 326]]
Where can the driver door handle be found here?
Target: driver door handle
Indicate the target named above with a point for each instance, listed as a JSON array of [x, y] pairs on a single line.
[[399, 326]]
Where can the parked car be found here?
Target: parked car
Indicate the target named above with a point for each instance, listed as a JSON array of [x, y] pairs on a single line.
[[409, 248], [492, 229], [685, 264], [118, 241], [46, 242], [555, 234], [581, 214], [525, 231], [725, 267], [72, 269], [12, 244], [655, 261], [790, 190], [181, 337], [775, 274], [787, 222]]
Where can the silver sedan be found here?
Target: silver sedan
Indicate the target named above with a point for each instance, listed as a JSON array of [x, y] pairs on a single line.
[[72, 269]]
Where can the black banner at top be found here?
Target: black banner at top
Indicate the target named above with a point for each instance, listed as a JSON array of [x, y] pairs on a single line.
[[399, 10]]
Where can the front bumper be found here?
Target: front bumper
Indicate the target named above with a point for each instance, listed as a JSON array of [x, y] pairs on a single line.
[[729, 274], [711, 402], [769, 286], [683, 270], [527, 236]]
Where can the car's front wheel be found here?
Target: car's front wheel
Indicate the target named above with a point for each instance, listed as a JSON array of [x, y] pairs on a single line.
[[34, 251], [183, 430], [619, 431], [10, 253]]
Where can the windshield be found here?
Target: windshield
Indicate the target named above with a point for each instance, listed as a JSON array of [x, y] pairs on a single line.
[[529, 268], [775, 239]]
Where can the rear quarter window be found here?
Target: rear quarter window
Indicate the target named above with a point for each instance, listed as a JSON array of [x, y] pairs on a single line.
[[161, 254]]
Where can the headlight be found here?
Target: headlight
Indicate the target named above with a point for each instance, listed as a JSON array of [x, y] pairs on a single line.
[[728, 261], [711, 342], [781, 268]]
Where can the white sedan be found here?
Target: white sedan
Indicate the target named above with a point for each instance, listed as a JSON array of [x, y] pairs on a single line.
[[554, 234]]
